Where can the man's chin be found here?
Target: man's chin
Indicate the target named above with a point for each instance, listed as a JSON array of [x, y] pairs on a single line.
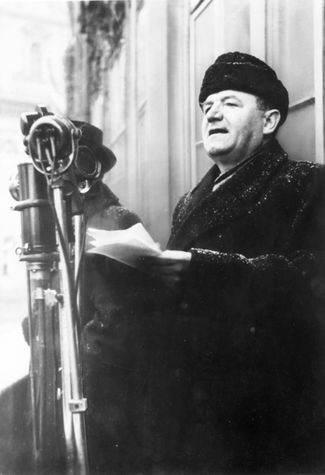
[[216, 152]]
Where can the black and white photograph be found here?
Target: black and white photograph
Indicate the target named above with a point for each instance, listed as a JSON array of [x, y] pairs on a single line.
[[162, 237]]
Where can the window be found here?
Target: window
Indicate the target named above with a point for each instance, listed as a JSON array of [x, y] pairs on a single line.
[[290, 49]]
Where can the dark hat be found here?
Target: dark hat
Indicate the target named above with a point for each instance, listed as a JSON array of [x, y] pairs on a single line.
[[246, 73], [92, 137]]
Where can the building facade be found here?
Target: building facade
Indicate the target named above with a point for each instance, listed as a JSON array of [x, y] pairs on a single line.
[[33, 38], [143, 89]]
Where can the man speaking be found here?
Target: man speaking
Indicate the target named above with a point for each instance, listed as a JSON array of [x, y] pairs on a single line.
[[239, 368]]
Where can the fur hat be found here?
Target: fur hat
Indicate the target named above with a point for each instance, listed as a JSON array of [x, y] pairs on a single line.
[[246, 73]]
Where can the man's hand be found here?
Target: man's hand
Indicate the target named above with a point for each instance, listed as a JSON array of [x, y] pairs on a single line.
[[170, 267]]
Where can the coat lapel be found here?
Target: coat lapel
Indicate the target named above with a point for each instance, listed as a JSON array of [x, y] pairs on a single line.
[[204, 209]]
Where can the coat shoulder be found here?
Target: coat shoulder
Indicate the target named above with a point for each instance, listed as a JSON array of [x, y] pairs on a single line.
[[303, 177], [305, 169]]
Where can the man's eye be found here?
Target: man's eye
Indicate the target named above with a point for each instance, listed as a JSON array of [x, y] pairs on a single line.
[[206, 109], [232, 104]]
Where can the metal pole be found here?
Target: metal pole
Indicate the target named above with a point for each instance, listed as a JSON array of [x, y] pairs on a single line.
[[47, 435], [74, 405]]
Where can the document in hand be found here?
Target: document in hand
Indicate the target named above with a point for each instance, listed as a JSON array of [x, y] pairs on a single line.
[[125, 245]]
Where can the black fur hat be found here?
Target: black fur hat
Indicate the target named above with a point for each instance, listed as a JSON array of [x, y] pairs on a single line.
[[246, 73]]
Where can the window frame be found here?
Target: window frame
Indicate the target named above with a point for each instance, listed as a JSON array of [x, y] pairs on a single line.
[[195, 13]]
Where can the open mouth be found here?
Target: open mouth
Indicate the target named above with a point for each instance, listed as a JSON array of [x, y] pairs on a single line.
[[218, 131]]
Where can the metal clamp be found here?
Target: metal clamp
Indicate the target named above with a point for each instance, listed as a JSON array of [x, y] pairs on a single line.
[[78, 405]]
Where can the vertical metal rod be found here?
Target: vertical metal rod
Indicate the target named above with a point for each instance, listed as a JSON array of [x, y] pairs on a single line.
[[43, 369], [71, 384], [79, 241], [77, 245], [32, 371]]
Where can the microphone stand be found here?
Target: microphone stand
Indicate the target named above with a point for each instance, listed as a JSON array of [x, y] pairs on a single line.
[[58, 405]]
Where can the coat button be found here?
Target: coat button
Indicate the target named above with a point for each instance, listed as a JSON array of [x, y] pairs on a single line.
[[184, 305]]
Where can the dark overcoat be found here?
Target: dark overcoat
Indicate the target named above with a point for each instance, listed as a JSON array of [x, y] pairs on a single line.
[[240, 374], [115, 349], [225, 376]]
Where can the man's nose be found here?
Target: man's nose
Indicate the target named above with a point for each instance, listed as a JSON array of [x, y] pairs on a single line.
[[215, 113]]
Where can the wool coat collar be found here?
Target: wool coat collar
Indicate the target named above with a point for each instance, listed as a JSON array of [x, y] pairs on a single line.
[[203, 209]]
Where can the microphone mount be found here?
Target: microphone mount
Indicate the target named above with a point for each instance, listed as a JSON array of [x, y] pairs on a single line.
[[51, 141]]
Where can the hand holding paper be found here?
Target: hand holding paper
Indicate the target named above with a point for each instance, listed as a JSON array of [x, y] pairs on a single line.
[[126, 245], [136, 248]]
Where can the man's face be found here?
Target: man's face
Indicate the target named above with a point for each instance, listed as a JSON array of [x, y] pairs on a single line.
[[232, 126]]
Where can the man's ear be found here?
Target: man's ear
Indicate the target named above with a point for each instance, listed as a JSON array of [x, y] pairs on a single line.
[[270, 121]]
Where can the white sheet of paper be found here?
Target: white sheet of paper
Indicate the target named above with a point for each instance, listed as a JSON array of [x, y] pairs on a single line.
[[126, 245]]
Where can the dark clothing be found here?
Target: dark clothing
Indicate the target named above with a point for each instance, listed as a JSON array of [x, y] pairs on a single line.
[[227, 376], [16, 436], [115, 349], [114, 361], [240, 363]]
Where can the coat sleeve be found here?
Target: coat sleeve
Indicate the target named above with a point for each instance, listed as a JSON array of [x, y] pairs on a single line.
[[232, 280]]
